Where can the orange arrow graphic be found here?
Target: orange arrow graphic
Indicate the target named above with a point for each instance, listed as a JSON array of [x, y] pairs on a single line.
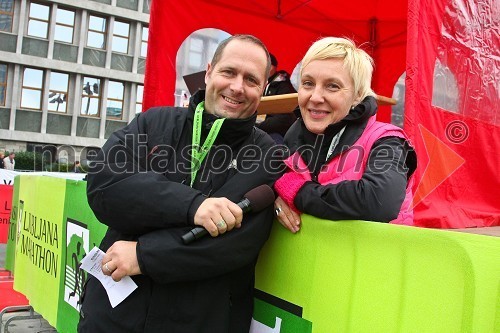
[[443, 162]]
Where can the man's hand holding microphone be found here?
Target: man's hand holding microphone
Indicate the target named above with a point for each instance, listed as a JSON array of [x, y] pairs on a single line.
[[215, 216], [218, 215]]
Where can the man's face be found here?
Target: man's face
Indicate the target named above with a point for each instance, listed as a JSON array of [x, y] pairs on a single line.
[[235, 83]]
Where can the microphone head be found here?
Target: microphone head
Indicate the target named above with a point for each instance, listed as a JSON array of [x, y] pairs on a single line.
[[260, 197]]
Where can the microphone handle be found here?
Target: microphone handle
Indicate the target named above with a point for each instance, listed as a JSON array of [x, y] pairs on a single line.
[[244, 204], [193, 235], [199, 232]]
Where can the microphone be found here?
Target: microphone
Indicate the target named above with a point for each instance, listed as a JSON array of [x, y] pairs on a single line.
[[254, 200]]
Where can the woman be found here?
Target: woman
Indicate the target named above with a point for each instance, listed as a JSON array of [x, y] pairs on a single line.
[[344, 164]]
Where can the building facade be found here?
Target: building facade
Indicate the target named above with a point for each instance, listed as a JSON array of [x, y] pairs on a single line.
[[71, 73]]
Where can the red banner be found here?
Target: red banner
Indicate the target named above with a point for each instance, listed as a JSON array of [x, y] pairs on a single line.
[[453, 111], [5, 208]]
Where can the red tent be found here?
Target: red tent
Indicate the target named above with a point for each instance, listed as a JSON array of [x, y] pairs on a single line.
[[457, 182], [287, 27]]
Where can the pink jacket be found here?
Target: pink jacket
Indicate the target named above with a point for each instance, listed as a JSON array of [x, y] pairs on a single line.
[[351, 164]]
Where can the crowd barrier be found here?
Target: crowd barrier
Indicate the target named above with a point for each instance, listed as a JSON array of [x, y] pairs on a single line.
[[349, 276], [51, 230], [354, 276]]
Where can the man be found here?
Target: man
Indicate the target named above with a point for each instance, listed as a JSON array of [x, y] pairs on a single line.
[[2, 156], [9, 162], [149, 189], [279, 83], [77, 168]]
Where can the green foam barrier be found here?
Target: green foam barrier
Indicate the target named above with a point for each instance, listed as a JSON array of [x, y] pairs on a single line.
[[356, 276]]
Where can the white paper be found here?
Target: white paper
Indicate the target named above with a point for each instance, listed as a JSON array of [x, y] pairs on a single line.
[[117, 291]]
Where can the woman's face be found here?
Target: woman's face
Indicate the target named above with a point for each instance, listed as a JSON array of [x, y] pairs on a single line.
[[326, 94]]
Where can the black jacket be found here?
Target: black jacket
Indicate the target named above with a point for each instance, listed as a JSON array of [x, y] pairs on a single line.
[[377, 196], [137, 187], [279, 84]]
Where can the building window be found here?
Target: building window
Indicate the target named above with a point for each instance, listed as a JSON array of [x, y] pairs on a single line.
[[138, 101], [121, 31], [47, 150], [65, 25], [6, 14], [96, 36], [58, 91], [195, 53], [200, 44], [114, 108], [146, 6], [3, 83], [212, 46], [38, 20], [31, 94], [144, 42], [91, 97]]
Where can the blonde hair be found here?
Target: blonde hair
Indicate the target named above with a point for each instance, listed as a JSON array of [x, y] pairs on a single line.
[[357, 62]]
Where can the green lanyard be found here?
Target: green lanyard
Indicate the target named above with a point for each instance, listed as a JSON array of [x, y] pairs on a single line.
[[199, 153]]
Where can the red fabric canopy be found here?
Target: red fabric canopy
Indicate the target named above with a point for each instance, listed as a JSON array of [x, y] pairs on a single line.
[[287, 27]]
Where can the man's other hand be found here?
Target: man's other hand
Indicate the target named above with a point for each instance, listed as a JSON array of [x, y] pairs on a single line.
[[121, 260]]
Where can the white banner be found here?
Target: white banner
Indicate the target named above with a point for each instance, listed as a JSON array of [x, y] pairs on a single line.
[[7, 176]]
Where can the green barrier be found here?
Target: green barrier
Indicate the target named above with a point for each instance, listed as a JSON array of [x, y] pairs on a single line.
[[330, 277], [39, 234], [52, 228], [83, 231], [352, 276]]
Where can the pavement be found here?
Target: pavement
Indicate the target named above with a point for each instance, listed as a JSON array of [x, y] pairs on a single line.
[[22, 321]]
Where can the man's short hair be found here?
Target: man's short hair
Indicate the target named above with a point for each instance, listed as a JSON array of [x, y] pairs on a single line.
[[245, 38], [274, 61]]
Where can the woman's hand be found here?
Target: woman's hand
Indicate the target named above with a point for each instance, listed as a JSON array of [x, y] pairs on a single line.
[[286, 216], [288, 185]]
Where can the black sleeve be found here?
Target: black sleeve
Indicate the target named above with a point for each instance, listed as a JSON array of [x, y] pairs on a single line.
[[163, 256], [377, 196], [277, 123], [125, 195]]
